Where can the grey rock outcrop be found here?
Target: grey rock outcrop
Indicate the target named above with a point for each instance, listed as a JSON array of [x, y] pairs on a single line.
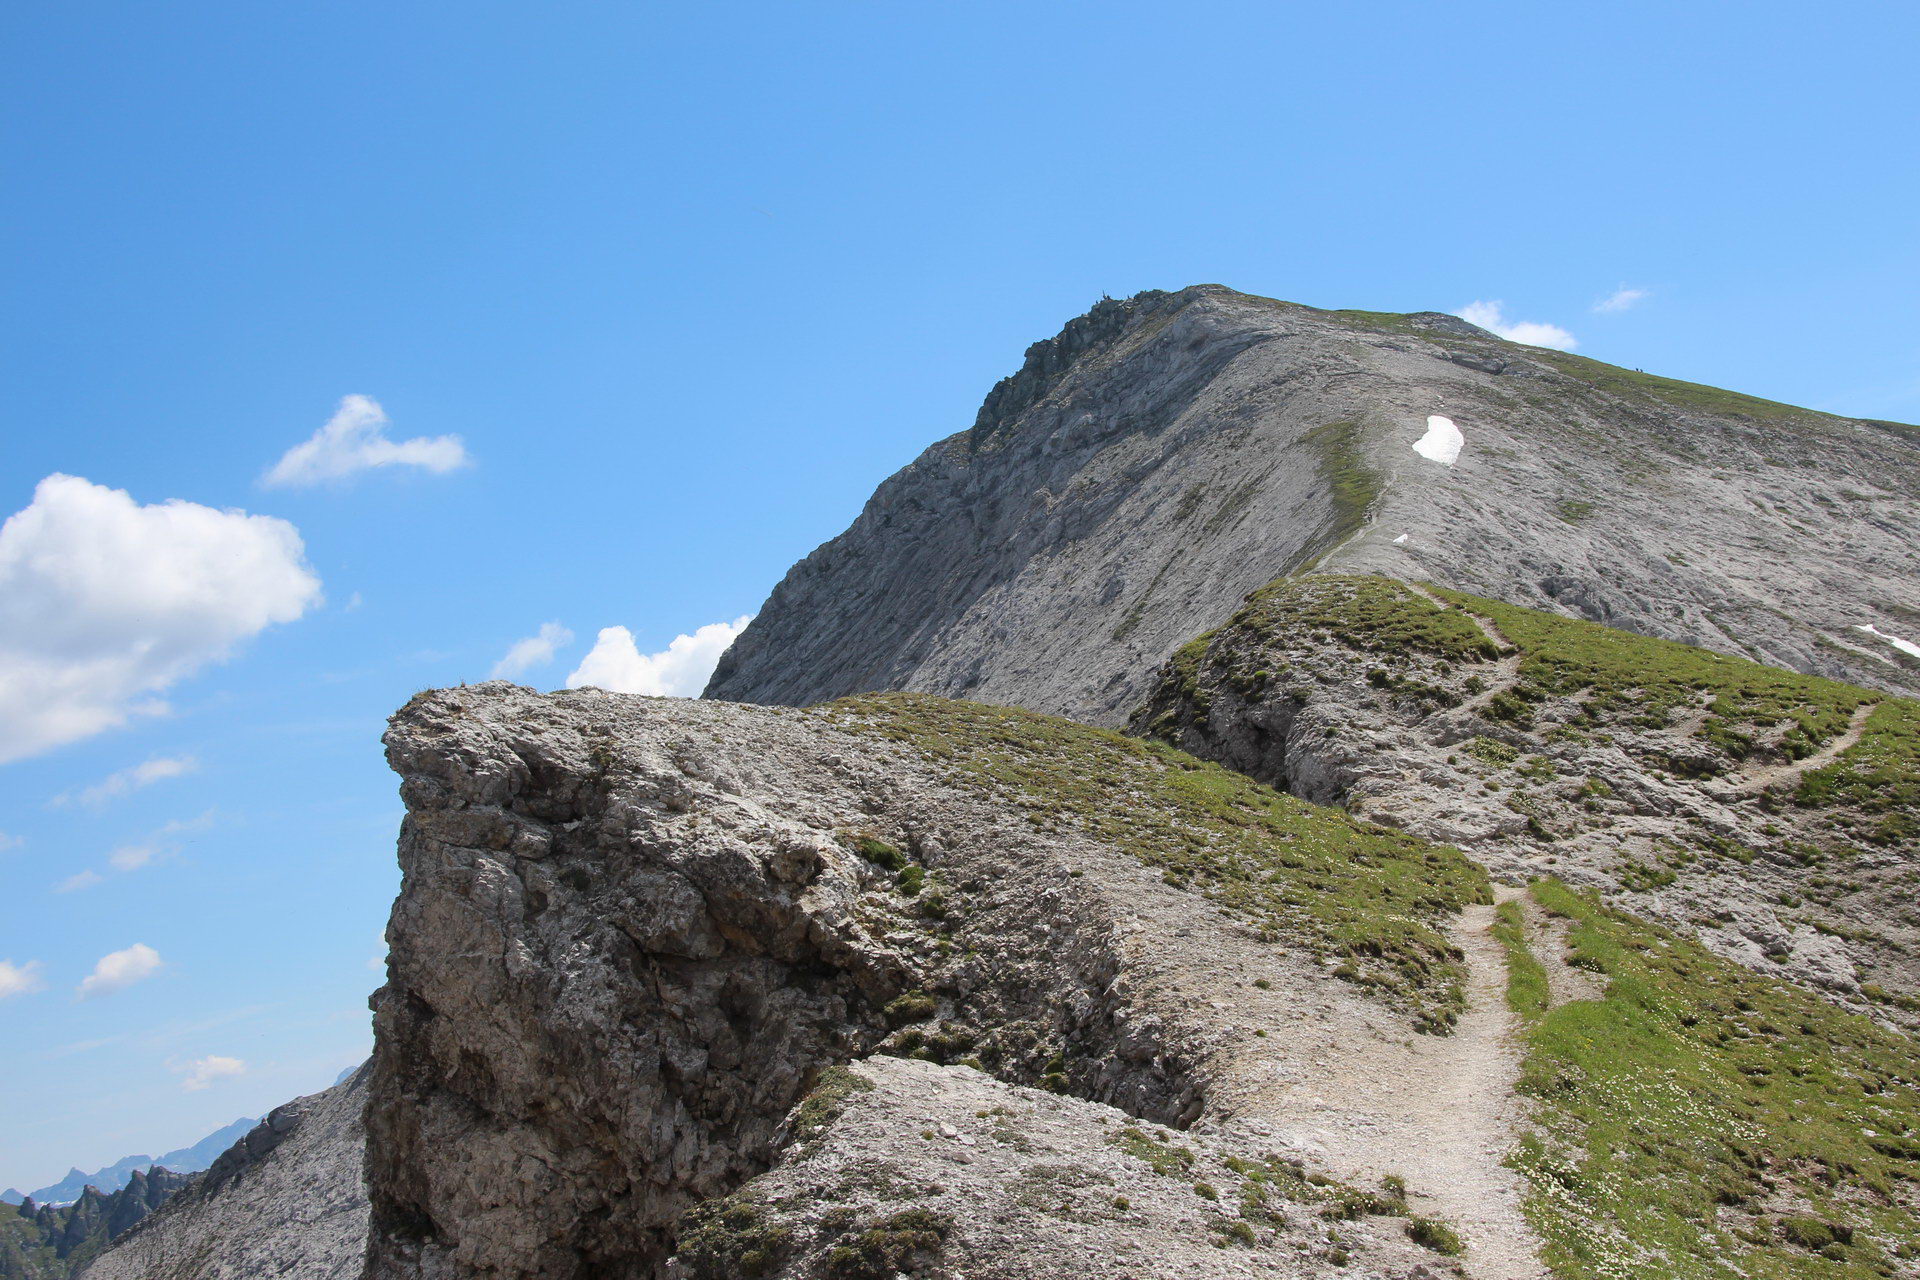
[[634, 933], [942, 1170], [1167, 454], [287, 1199], [1659, 793]]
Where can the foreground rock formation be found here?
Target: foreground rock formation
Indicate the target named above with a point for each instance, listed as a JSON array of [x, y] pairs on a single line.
[[1167, 454], [286, 1200], [635, 933]]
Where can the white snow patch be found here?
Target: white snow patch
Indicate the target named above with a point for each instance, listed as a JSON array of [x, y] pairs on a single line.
[[1402, 538], [1904, 646], [1442, 442]]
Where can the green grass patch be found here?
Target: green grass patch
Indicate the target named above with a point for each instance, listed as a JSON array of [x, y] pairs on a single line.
[[1375, 900], [1620, 676], [824, 1102], [1703, 1122], [1351, 481], [1527, 992], [1693, 397], [1374, 614]]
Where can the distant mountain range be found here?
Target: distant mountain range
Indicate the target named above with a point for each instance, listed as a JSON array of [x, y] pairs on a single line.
[[54, 1242], [116, 1175]]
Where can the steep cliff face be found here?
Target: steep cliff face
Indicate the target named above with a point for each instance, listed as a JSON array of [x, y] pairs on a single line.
[[287, 1199], [1774, 814], [635, 934], [1167, 454]]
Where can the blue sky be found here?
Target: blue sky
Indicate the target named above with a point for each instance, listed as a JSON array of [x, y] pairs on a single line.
[[685, 282]]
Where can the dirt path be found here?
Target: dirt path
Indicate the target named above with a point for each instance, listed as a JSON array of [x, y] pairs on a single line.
[[1760, 777], [1437, 1111], [1500, 675], [1473, 1117]]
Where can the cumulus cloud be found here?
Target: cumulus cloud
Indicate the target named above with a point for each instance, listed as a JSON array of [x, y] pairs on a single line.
[[202, 1072], [105, 603], [118, 970], [19, 979], [1620, 299], [535, 651], [678, 671], [1491, 316], [353, 440], [144, 774]]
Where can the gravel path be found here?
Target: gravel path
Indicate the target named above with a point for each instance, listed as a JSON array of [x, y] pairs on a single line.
[[1438, 1111]]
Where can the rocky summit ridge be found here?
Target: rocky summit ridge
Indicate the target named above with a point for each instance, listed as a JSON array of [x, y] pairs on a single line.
[[1169, 453], [1481, 840]]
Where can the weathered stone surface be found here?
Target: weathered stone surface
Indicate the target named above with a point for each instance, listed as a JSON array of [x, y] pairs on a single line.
[[634, 932], [944, 1171], [287, 1199], [1166, 454], [1634, 800]]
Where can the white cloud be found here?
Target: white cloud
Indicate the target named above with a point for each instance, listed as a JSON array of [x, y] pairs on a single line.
[[144, 774], [105, 603], [678, 671], [1621, 299], [1491, 316], [534, 651], [10, 842], [202, 1072], [120, 969], [19, 979], [353, 440], [131, 857]]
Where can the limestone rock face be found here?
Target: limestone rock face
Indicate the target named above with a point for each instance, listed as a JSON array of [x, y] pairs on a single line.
[[1679, 783], [941, 1170], [1167, 454], [287, 1199], [634, 934]]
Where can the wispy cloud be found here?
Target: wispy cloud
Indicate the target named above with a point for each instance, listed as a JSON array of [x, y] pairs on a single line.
[[10, 842], [131, 857], [1621, 299], [79, 880], [202, 1072], [1491, 316], [678, 671], [19, 979], [118, 970], [354, 440], [133, 778], [536, 650], [142, 853]]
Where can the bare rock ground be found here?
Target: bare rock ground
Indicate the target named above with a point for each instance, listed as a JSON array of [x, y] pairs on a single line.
[[633, 935], [286, 1200]]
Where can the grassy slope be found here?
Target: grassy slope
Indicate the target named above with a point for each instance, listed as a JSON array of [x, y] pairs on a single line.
[[1702, 1122], [1872, 790], [1376, 900]]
